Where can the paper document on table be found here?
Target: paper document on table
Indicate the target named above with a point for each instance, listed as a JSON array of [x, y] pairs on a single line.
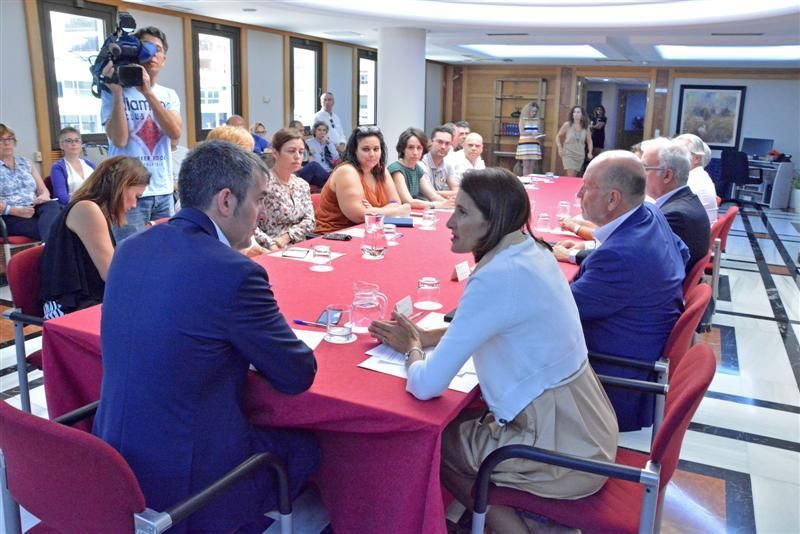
[[355, 232], [296, 253], [385, 359], [312, 338]]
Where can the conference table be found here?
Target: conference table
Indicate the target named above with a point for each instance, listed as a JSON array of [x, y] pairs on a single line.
[[380, 445]]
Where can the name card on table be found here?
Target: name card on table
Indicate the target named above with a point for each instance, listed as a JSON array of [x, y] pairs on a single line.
[[403, 306], [461, 271]]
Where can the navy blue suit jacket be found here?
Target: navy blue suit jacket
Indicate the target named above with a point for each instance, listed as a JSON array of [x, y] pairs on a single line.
[[628, 293], [184, 316], [688, 219]]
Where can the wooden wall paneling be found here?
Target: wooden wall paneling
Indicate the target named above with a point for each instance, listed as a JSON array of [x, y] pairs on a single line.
[[39, 87], [661, 101], [449, 89], [188, 77], [567, 87], [354, 88], [456, 112], [243, 77], [287, 104]]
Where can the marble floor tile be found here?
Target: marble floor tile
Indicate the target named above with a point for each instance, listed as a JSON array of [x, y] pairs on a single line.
[[775, 505], [771, 254], [751, 419], [790, 296], [781, 392], [8, 355], [748, 294], [738, 248], [774, 463]]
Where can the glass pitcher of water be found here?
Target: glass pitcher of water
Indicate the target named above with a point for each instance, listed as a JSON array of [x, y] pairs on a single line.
[[369, 304], [375, 242]]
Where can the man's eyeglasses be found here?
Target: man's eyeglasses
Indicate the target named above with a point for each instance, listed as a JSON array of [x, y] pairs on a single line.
[[332, 124], [71, 141], [653, 168], [261, 132], [8, 139]]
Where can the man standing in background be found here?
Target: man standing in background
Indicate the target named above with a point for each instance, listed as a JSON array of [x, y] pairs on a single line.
[[141, 122], [325, 114]]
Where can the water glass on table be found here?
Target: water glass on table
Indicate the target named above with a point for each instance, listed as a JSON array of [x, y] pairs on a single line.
[[339, 328], [563, 209], [322, 259], [428, 220], [542, 223], [390, 232], [427, 297]]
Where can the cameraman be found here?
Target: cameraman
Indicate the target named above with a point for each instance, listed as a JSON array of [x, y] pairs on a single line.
[[140, 122]]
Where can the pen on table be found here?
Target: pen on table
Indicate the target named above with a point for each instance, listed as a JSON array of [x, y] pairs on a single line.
[[310, 323], [414, 316]]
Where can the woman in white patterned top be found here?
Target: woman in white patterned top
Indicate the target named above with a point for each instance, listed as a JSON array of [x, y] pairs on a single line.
[[290, 214]]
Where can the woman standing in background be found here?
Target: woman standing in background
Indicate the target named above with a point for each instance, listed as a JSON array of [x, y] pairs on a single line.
[[529, 151], [598, 128], [574, 142]]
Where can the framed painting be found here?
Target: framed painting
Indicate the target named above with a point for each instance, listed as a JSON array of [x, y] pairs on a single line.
[[713, 113]]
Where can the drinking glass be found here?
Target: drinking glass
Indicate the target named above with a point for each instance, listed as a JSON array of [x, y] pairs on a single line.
[[543, 223], [563, 209], [322, 259], [428, 220], [549, 175], [427, 294], [341, 331], [390, 232]]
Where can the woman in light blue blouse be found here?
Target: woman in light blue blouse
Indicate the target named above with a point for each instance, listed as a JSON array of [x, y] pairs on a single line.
[[25, 203]]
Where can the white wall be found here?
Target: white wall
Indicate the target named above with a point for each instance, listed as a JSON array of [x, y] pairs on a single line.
[[434, 78], [771, 110], [265, 73], [340, 82], [173, 74], [16, 88]]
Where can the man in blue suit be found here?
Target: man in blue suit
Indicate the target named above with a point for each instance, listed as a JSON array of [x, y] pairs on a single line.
[[184, 316], [628, 291], [667, 166]]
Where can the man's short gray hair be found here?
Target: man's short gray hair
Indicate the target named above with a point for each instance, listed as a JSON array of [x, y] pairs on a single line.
[[697, 147], [213, 166], [672, 155]]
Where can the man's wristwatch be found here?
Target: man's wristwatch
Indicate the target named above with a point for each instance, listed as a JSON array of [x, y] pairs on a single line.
[[414, 349]]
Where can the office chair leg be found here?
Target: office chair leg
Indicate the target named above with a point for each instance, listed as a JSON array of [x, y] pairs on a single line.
[[11, 518], [286, 523], [22, 367]]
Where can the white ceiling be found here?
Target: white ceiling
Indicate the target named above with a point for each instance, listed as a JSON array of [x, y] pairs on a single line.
[[626, 31]]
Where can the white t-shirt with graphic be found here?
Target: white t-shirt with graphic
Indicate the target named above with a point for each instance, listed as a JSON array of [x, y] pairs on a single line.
[[146, 141]]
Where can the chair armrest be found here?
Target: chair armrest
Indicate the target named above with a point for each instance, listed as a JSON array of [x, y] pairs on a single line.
[[624, 362], [568, 461], [184, 509], [23, 318], [638, 385], [78, 415], [3, 230]]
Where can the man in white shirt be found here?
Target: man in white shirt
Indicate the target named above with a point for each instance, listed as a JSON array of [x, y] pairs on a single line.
[[469, 158], [325, 114], [141, 122], [699, 181], [437, 170]]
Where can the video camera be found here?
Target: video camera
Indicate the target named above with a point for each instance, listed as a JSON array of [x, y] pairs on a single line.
[[125, 52]]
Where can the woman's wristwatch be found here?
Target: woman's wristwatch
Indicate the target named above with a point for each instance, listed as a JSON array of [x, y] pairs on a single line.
[[414, 349]]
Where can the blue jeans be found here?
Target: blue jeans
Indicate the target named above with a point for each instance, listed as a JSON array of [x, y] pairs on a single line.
[[147, 209]]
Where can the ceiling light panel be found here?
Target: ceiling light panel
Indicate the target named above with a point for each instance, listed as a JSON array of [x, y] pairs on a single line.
[[730, 53], [537, 51]]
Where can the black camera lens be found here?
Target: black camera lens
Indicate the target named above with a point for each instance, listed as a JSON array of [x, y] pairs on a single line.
[[130, 75]]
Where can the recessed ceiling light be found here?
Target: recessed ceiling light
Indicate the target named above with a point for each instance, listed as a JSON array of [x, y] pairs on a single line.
[[537, 51], [343, 33], [248, 9], [732, 53]]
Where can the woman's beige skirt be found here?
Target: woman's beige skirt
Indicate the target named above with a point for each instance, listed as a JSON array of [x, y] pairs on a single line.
[[573, 417]]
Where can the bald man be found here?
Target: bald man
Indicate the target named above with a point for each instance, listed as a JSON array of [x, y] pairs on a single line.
[[259, 143], [628, 291], [469, 157]]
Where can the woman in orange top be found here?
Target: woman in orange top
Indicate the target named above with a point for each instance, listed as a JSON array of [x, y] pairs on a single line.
[[360, 184]]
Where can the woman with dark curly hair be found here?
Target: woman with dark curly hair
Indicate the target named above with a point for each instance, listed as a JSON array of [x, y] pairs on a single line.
[[360, 184]]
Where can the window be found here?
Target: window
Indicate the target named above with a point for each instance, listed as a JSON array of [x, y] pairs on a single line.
[[71, 38], [217, 78], [305, 67], [367, 87]]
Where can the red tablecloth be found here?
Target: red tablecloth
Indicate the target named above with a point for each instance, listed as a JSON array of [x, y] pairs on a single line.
[[380, 469]]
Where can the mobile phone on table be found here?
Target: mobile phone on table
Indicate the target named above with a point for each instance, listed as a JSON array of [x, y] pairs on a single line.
[[338, 237], [335, 316]]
